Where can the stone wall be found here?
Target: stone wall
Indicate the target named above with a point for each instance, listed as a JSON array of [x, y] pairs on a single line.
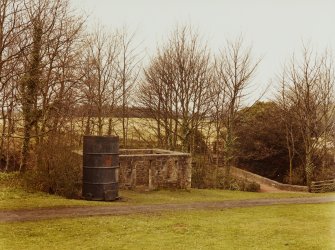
[[263, 180], [152, 169]]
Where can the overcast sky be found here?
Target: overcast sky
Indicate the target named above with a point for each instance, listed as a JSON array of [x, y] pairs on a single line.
[[275, 28]]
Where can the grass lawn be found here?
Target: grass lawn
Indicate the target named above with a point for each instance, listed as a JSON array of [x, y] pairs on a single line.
[[272, 227], [13, 196], [17, 198]]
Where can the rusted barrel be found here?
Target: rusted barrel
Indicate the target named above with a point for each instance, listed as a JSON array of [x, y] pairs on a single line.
[[101, 167]]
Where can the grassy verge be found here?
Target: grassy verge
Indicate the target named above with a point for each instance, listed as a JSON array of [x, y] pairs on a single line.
[[273, 227], [12, 196], [17, 198]]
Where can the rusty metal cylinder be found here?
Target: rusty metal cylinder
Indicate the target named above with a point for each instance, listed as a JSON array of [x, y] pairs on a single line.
[[100, 167]]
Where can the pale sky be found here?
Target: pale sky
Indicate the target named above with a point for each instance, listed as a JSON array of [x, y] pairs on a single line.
[[274, 28]]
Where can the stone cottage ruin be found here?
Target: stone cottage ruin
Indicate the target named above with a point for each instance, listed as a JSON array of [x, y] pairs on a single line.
[[152, 169]]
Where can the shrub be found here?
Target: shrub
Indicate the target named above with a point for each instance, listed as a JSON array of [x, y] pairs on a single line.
[[298, 176], [239, 184], [324, 173], [252, 187], [10, 179], [199, 174], [10, 161], [205, 176], [57, 170]]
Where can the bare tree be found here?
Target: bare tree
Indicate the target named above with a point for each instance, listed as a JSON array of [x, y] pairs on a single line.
[[289, 120], [101, 88], [234, 70], [308, 92], [158, 97], [128, 70], [12, 25], [52, 34], [176, 89]]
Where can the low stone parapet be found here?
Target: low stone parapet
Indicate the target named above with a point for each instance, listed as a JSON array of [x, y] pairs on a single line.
[[263, 180]]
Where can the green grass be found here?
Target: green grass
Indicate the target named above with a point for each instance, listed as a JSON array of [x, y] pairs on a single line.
[[204, 195], [14, 196], [17, 198], [272, 227]]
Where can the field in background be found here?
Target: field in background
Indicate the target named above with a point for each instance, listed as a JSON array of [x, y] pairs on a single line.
[[141, 129]]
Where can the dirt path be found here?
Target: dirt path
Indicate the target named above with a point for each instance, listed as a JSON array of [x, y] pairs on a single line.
[[67, 212]]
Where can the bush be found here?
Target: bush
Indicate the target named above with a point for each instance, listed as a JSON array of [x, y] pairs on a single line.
[[204, 175], [10, 179], [198, 172], [11, 161], [242, 185], [57, 170], [298, 176], [252, 187], [324, 173]]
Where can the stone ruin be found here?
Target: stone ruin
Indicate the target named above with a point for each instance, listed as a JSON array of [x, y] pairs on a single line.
[[152, 169]]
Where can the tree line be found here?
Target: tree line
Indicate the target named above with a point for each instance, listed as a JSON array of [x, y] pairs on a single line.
[[59, 81]]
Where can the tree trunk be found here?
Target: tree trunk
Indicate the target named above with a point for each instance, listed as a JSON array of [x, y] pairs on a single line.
[[30, 89]]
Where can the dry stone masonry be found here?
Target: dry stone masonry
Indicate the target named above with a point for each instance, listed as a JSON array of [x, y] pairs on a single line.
[[152, 169]]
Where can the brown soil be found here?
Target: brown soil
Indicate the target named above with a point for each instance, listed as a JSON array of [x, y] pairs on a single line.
[[67, 212]]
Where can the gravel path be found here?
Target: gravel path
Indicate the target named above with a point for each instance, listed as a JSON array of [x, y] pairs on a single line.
[[68, 212]]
